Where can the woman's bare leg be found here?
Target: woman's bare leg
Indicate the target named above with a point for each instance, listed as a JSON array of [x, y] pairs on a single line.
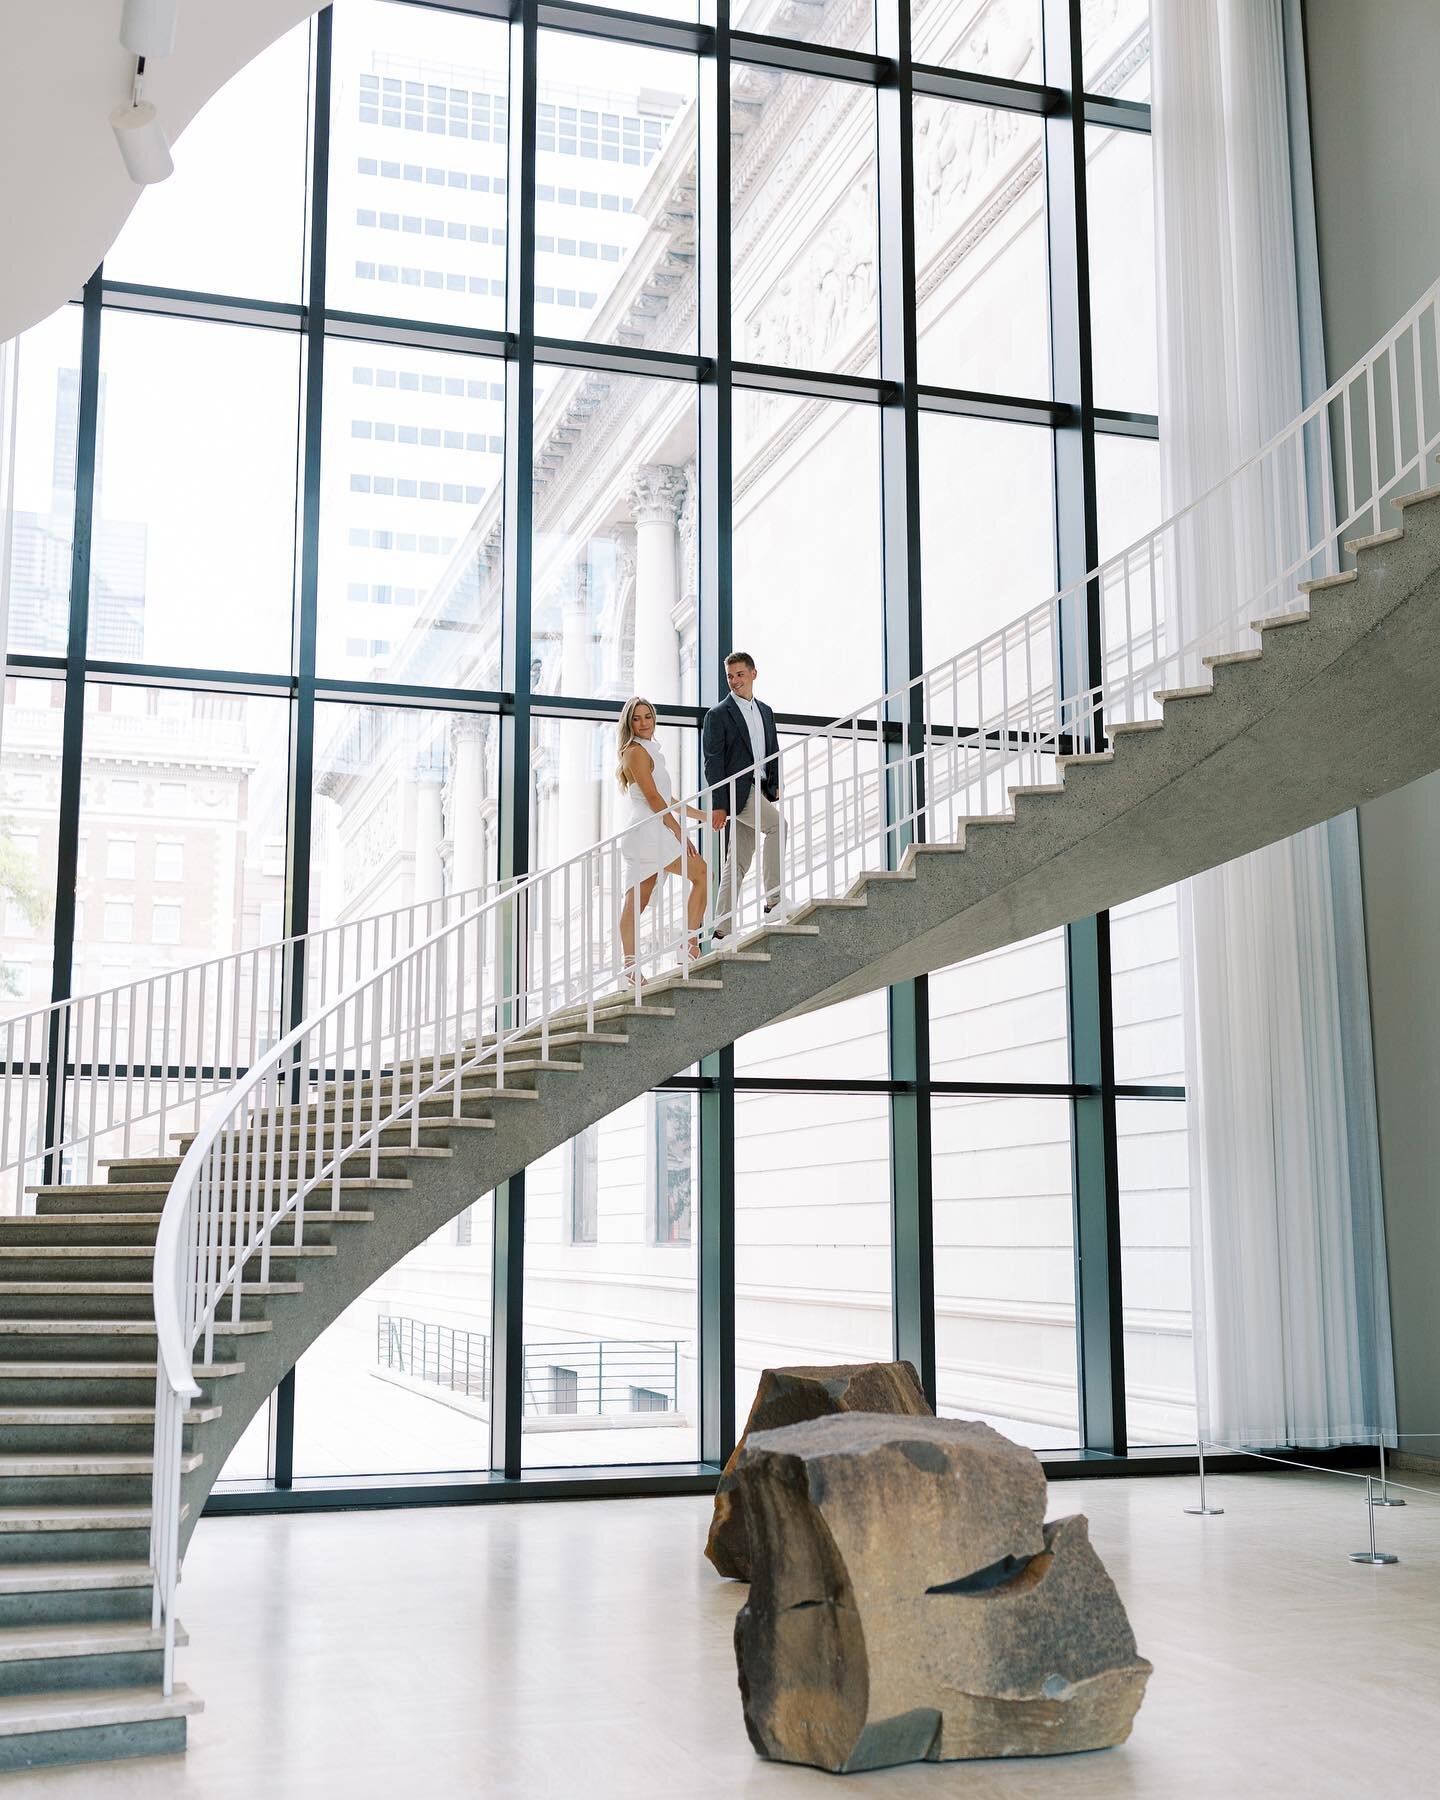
[[631, 907]]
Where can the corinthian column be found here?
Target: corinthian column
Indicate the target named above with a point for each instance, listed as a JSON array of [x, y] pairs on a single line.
[[657, 493]]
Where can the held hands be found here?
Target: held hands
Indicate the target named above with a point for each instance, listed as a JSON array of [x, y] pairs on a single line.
[[718, 818]]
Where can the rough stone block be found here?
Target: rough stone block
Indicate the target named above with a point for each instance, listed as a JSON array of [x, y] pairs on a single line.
[[909, 1603], [789, 1397]]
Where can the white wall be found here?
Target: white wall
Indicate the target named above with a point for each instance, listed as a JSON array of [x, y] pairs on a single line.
[[1374, 72]]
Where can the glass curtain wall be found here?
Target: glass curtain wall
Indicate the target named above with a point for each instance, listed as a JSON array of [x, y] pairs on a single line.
[[368, 479]]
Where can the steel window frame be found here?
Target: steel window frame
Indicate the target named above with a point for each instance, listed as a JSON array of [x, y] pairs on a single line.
[[1069, 415]]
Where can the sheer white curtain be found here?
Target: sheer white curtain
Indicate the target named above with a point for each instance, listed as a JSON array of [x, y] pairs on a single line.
[[9, 395], [1292, 1325]]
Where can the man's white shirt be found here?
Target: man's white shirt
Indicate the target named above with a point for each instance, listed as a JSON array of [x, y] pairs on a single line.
[[751, 714]]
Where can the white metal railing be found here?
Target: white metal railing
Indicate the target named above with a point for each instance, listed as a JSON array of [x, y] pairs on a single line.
[[115, 1071], [919, 762]]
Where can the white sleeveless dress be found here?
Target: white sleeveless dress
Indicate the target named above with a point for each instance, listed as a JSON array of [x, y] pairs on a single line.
[[648, 846]]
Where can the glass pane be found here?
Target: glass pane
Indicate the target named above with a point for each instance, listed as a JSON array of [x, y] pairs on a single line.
[[45, 425], [194, 780], [1122, 269], [615, 193], [410, 516], [1127, 490], [616, 539], [1002, 1016], [29, 833], [194, 551], [1004, 1267], [250, 1459], [982, 295], [418, 164], [808, 603], [400, 1383], [229, 223], [1146, 989], [804, 228], [1155, 1278], [1116, 48], [404, 808], [812, 1233], [998, 37], [987, 533], [611, 1228], [848, 1042], [847, 27]]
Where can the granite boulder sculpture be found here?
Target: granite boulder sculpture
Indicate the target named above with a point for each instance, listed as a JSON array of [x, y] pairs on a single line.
[[909, 1602], [788, 1397]]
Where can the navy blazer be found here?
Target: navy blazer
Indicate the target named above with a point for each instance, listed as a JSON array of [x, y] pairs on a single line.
[[728, 751]]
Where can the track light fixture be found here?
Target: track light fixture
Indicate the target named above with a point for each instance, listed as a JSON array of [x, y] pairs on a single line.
[[148, 28], [142, 142]]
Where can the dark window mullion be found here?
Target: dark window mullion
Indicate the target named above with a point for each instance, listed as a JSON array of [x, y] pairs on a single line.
[[716, 612], [1096, 1198], [507, 1373], [912, 1254], [300, 772]]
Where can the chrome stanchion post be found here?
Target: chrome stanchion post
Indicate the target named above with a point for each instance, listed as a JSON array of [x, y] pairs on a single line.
[[1203, 1509], [1372, 1555], [1384, 1497]]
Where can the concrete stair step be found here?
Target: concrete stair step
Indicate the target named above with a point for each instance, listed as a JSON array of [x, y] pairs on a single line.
[[1374, 540], [137, 1232], [116, 1637], [1322, 582], [90, 1715], [73, 1577], [72, 1381], [111, 1303], [1280, 620], [1422, 497], [95, 1517], [276, 1166], [1166, 695], [16, 1417], [391, 1136], [108, 1371], [120, 1330], [160, 1189], [1230, 658], [96, 1464], [127, 1262]]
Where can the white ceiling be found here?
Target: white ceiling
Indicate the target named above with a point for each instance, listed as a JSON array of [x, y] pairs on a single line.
[[64, 194]]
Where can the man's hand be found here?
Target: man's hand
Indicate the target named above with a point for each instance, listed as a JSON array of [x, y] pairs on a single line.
[[718, 818]]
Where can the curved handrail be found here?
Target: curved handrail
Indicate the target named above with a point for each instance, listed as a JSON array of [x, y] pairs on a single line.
[[920, 762]]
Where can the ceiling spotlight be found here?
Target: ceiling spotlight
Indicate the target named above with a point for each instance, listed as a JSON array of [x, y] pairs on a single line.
[[148, 26], [142, 142]]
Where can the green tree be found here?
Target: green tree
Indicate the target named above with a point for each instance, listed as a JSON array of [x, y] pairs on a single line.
[[20, 883]]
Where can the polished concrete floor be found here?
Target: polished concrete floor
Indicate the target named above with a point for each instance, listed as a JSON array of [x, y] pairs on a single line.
[[584, 1650]]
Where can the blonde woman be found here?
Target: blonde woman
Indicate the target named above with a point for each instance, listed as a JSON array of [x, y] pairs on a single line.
[[654, 843]]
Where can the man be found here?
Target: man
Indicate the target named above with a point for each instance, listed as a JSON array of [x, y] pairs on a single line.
[[739, 735]]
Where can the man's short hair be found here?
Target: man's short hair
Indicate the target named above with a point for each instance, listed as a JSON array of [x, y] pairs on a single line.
[[740, 656]]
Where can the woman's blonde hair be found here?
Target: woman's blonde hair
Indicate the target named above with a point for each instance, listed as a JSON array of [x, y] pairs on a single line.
[[626, 737]]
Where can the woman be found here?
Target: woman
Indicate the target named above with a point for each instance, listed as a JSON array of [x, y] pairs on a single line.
[[654, 844]]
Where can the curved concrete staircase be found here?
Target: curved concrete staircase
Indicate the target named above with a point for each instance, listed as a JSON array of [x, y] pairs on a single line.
[[1338, 700]]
